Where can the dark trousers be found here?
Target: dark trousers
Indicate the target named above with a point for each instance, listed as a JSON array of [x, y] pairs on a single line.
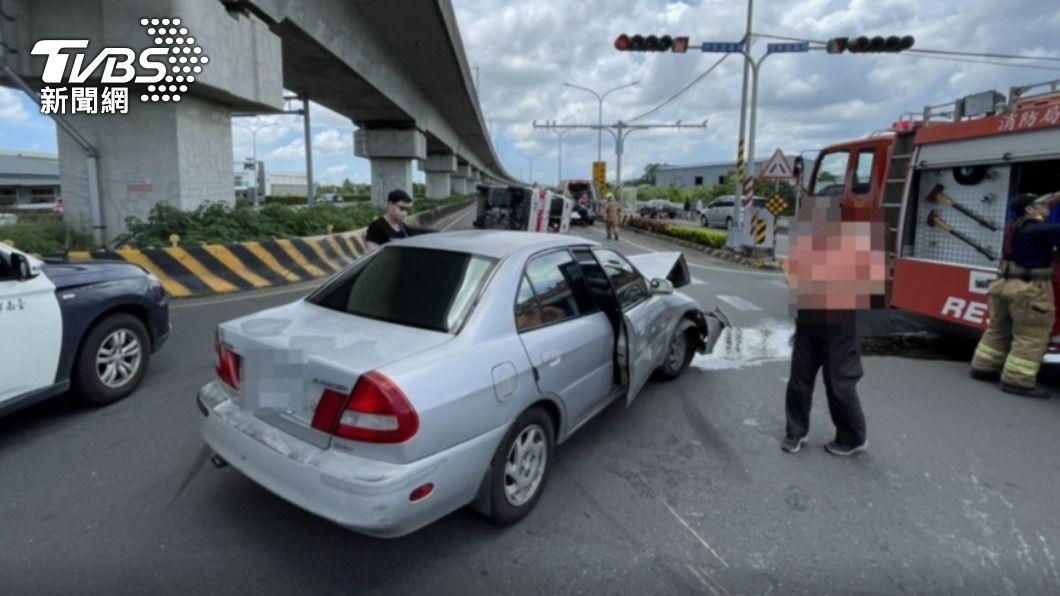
[[836, 351]]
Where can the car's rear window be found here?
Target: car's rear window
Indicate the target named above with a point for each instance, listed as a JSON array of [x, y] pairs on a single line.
[[415, 287]]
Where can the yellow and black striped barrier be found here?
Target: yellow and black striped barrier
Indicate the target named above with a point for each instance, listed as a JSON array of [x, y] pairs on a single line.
[[225, 268]]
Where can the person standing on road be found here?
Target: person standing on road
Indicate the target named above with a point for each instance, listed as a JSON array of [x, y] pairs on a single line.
[[391, 226], [612, 216], [699, 208], [837, 270], [1021, 301], [688, 209]]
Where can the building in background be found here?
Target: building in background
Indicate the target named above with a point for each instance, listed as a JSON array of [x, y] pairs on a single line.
[[250, 179], [27, 178], [285, 183], [704, 174]]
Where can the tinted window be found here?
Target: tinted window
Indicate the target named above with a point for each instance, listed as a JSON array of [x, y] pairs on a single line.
[[595, 278], [863, 171], [629, 286], [431, 289], [831, 174], [554, 277]]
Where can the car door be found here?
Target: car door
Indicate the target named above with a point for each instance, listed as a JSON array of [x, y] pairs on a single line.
[[644, 317], [31, 330], [568, 339]]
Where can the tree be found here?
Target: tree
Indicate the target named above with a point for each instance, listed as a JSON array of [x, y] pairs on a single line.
[[647, 178], [347, 186]]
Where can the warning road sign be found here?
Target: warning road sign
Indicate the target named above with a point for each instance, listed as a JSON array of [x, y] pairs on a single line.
[[777, 168], [776, 205]]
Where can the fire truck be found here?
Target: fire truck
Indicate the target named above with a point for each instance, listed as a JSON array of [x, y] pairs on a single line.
[[940, 182]]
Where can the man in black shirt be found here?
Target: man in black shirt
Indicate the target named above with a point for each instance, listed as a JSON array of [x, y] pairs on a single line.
[[1021, 304], [391, 226]]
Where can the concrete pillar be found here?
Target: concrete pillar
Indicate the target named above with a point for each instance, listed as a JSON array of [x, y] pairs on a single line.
[[439, 168], [179, 154], [391, 152], [460, 179]]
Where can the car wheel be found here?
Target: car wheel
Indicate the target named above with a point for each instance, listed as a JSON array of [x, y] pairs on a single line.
[[678, 357], [521, 466], [112, 360]]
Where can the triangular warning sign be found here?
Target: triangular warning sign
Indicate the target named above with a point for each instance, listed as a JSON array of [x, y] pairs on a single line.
[[777, 168]]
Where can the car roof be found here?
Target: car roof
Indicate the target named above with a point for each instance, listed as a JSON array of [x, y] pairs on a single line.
[[497, 244]]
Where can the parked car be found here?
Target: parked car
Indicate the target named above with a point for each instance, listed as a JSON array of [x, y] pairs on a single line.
[[719, 212], [659, 209], [90, 327], [329, 198], [441, 371]]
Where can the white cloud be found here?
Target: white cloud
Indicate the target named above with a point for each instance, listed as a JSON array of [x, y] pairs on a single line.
[[332, 142], [806, 101], [293, 150], [11, 109]]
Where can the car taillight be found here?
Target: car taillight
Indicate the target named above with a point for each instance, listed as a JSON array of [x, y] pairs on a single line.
[[376, 412], [228, 363]]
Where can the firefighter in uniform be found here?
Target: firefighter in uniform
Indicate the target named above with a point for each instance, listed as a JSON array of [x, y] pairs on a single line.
[[1021, 300]]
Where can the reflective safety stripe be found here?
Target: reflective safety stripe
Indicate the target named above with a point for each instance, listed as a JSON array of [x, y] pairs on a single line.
[[985, 352], [1021, 367]]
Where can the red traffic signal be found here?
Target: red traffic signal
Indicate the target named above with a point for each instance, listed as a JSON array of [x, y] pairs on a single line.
[[650, 43]]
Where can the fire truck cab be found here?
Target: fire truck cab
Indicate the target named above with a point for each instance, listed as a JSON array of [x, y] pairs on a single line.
[[940, 182]]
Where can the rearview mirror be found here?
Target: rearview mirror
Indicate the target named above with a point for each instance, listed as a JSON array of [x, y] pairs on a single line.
[[21, 267], [662, 287]]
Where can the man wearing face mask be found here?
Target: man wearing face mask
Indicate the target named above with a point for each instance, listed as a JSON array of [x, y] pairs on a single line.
[[391, 226]]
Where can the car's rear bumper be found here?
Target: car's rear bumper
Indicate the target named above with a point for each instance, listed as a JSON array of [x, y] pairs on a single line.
[[365, 495]]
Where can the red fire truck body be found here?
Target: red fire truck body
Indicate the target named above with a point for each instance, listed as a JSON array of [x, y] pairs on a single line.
[[942, 187]]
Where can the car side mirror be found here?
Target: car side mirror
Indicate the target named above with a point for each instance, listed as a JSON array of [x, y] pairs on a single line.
[[662, 287], [21, 267]]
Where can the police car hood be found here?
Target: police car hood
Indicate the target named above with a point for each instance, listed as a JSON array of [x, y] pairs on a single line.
[[68, 275]]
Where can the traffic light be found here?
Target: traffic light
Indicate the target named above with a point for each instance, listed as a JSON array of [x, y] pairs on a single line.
[[650, 43], [869, 45]]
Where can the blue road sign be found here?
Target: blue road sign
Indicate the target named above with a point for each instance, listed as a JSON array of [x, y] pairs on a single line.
[[780, 48], [722, 46]]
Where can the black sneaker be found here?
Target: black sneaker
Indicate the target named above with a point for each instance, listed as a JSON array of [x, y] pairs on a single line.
[[1037, 391], [990, 376], [843, 450], [792, 445]]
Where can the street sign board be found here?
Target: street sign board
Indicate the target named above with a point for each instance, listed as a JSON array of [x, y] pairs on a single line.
[[777, 168], [722, 46], [600, 176], [781, 48]]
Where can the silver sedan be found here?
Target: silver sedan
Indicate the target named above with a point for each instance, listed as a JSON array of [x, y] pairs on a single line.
[[441, 371]]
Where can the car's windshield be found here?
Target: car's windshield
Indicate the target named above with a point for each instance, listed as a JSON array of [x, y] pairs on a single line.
[[415, 287]]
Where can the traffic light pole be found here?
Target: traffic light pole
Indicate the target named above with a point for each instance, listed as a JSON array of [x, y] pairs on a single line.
[[731, 237]]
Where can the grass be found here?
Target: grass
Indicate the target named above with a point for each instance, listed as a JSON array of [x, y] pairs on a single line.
[[711, 238]]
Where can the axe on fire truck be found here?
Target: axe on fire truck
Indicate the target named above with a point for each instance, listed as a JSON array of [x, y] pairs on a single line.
[[935, 220], [938, 195]]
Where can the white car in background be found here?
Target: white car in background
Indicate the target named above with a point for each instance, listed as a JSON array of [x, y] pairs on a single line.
[[441, 371]]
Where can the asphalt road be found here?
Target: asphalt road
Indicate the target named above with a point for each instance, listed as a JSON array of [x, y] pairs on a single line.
[[684, 492]]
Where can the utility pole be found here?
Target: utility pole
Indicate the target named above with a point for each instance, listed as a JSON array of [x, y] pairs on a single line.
[[600, 112], [308, 150], [619, 131], [559, 159], [732, 238]]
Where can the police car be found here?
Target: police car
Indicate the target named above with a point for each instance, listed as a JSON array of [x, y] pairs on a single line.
[[86, 327]]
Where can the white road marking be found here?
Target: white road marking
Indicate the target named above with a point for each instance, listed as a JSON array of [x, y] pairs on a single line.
[[740, 303], [694, 533], [779, 283]]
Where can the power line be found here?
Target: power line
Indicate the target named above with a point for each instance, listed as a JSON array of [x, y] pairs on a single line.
[[682, 90], [990, 62]]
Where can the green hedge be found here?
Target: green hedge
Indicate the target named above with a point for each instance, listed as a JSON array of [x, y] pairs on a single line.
[[44, 233], [711, 238], [218, 223]]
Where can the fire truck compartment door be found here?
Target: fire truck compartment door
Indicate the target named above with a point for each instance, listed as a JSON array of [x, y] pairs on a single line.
[[1028, 146]]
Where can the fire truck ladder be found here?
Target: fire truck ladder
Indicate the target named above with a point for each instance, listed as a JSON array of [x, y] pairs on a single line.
[[894, 186]]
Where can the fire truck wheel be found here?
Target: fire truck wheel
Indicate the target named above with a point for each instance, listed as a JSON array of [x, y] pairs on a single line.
[[969, 175]]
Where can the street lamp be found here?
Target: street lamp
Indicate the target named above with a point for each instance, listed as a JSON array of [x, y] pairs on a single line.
[[531, 159], [254, 129], [559, 158], [600, 112]]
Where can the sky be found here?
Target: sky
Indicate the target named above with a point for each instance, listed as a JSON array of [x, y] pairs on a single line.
[[524, 51]]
